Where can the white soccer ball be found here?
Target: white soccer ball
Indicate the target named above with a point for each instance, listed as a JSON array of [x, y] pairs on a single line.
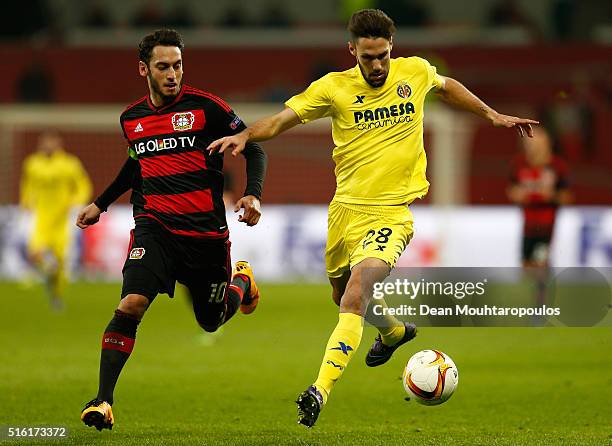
[[430, 377]]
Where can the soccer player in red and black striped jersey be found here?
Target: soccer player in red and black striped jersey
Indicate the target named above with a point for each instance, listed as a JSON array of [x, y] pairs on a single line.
[[539, 184], [180, 229]]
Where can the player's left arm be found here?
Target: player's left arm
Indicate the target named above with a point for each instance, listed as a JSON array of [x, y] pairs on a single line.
[[124, 181], [456, 94], [256, 164], [226, 123], [262, 130]]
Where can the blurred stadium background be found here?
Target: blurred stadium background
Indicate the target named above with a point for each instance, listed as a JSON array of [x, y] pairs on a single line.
[[71, 65]]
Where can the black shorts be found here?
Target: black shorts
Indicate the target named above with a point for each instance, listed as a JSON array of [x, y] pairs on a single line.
[[157, 259], [536, 248]]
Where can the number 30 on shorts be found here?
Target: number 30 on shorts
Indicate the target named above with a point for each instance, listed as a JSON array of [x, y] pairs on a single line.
[[217, 292], [379, 237]]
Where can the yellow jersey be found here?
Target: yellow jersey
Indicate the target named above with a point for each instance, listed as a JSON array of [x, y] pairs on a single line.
[[52, 184], [377, 132]]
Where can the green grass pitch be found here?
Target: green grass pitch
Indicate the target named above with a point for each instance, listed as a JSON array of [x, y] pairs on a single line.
[[531, 386]]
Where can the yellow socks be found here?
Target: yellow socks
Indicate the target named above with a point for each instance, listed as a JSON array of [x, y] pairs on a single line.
[[390, 328], [58, 281], [342, 343], [392, 335]]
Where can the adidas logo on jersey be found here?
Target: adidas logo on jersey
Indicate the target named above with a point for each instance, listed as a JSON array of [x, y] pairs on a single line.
[[138, 128]]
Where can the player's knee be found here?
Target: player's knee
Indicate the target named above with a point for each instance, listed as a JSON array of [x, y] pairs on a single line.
[[135, 305]]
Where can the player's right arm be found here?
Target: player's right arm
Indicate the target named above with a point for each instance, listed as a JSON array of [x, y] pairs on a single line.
[[266, 128], [313, 103], [456, 94], [90, 215]]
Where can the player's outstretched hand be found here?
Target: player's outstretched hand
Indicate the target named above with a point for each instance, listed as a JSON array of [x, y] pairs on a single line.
[[235, 143], [88, 216], [252, 211], [523, 126]]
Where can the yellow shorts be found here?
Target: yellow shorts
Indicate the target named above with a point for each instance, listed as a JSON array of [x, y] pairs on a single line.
[[356, 232]]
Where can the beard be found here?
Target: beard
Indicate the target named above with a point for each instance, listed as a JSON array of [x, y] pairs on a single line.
[[378, 82], [157, 89], [373, 82]]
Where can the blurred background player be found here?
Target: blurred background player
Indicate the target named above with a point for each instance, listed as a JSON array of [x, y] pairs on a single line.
[[52, 183], [377, 110], [539, 184]]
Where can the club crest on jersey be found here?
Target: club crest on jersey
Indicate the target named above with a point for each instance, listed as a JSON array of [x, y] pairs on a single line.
[[137, 253], [403, 90], [182, 121]]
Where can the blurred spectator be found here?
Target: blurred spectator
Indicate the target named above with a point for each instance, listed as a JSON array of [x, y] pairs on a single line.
[[234, 17], [570, 117], [181, 16], [577, 20], [22, 19], [410, 13], [507, 13], [320, 68], [562, 19], [35, 84], [278, 90], [97, 16], [150, 15], [275, 16], [348, 7]]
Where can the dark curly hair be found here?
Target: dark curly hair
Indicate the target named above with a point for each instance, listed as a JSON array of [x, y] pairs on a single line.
[[371, 23], [164, 37]]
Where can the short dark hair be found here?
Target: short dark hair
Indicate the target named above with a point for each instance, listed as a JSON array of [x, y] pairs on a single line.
[[164, 37], [371, 23]]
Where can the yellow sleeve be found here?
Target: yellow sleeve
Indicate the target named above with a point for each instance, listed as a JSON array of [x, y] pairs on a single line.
[[313, 103], [26, 188], [433, 78], [82, 183]]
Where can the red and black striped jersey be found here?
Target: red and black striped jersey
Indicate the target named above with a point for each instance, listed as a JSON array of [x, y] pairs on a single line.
[[181, 184], [542, 185]]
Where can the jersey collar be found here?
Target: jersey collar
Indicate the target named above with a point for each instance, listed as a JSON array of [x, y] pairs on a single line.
[[164, 107]]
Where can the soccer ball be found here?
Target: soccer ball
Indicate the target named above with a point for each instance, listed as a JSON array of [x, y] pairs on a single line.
[[430, 377]]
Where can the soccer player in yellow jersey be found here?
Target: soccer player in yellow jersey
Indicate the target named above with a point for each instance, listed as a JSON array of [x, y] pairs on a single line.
[[53, 181], [376, 109]]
